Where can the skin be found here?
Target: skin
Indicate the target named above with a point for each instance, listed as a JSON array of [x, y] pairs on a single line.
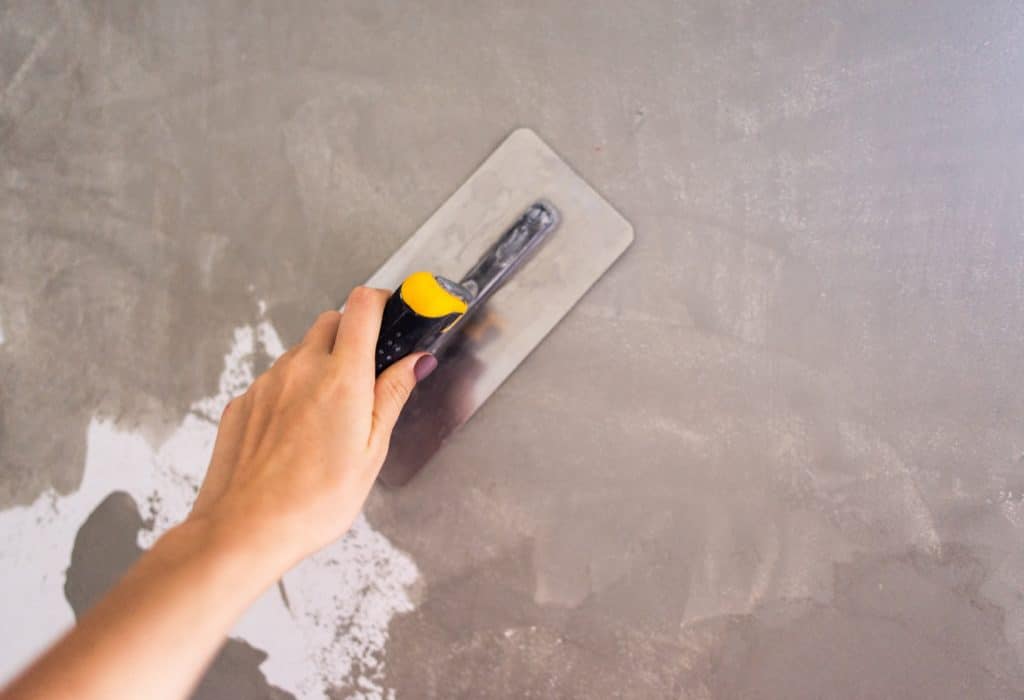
[[294, 461]]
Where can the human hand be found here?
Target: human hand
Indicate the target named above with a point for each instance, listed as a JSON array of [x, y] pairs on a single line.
[[295, 458], [297, 454]]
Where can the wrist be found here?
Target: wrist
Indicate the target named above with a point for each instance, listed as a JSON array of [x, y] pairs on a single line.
[[238, 554]]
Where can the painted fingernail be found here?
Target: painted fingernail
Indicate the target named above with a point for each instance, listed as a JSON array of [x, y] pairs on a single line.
[[424, 366]]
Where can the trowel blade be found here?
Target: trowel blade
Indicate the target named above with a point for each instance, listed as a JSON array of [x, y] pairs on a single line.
[[490, 345]]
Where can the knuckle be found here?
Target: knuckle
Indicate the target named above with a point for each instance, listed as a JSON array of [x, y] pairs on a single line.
[[396, 393], [243, 400], [259, 385], [286, 359], [327, 316], [253, 393], [362, 295], [263, 385]]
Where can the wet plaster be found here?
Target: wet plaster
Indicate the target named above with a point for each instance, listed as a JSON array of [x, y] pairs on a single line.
[[778, 451]]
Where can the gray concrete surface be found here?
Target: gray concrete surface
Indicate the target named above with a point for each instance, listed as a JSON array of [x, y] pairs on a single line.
[[777, 452]]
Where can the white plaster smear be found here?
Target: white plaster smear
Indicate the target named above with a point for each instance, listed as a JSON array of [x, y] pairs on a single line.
[[355, 585]]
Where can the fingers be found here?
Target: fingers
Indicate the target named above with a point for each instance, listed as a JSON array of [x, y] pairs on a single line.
[[390, 394], [358, 330], [322, 333], [225, 454]]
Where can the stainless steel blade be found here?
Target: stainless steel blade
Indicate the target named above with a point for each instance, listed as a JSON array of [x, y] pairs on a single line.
[[491, 344]]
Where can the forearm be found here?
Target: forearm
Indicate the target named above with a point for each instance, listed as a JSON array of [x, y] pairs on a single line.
[[154, 633]]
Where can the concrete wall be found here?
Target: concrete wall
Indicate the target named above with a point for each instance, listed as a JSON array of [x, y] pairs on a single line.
[[778, 451]]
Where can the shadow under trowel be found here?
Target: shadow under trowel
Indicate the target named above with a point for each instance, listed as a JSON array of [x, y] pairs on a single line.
[[439, 404]]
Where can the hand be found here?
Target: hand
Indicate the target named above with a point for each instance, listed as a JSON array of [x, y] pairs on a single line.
[[294, 460], [297, 454]]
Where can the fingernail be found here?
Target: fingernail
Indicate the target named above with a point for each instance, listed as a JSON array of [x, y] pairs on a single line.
[[424, 366]]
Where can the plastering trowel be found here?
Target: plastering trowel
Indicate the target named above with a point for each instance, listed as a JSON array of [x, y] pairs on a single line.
[[523, 223]]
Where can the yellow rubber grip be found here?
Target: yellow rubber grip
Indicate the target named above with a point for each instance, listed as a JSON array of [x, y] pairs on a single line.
[[424, 295]]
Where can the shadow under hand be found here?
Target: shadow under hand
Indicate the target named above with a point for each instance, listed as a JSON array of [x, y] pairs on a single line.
[[105, 547]]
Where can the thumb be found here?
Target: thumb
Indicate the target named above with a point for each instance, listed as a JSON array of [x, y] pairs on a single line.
[[392, 390]]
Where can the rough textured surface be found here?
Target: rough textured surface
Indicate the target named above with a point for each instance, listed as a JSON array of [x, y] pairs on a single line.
[[777, 452]]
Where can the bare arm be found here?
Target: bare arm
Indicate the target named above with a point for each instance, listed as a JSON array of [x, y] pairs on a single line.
[[295, 458]]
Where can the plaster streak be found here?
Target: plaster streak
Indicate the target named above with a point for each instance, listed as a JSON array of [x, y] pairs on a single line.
[[42, 42], [342, 599]]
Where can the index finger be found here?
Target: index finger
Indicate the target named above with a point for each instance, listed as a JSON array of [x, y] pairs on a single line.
[[356, 342]]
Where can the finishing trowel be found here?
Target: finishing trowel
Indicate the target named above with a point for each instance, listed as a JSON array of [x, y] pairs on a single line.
[[525, 224]]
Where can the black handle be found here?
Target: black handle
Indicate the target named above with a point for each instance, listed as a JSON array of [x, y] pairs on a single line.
[[422, 308]]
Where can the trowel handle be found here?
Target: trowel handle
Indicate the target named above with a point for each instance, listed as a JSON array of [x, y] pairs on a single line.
[[422, 308]]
